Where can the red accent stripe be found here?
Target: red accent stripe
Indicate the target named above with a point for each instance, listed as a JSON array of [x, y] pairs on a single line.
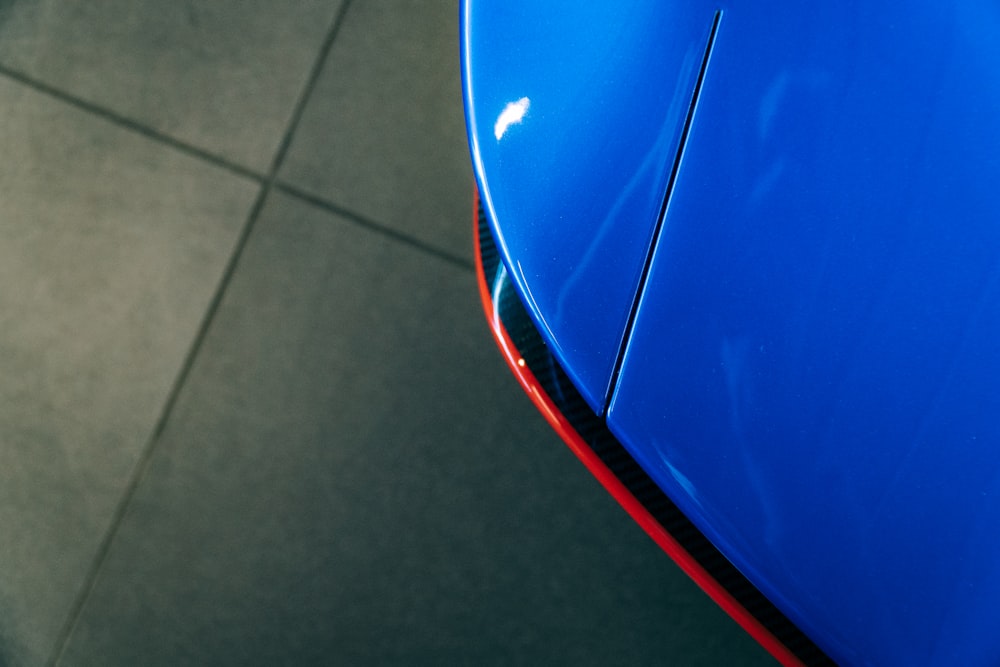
[[611, 483]]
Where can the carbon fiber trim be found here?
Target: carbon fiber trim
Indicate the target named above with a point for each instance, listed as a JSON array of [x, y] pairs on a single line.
[[595, 433]]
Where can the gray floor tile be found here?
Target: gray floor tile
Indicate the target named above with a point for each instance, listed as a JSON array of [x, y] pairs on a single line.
[[383, 133], [110, 249], [221, 74], [351, 476]]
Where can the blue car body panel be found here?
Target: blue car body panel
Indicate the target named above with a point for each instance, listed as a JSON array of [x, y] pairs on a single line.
[[575, 110], [813, 371]]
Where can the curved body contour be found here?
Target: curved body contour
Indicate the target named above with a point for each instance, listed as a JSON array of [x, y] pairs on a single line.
[[809, 366]]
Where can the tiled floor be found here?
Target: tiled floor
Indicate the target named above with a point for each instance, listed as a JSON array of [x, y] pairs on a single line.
[[250, 413]]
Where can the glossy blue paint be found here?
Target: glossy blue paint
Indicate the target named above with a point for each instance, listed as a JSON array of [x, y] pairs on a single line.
[[814, 373], [574, 111]]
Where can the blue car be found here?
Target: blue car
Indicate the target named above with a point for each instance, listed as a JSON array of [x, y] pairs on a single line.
[[745, 257]]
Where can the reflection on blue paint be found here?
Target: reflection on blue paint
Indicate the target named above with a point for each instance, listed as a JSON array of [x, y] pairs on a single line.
[[512, 114]]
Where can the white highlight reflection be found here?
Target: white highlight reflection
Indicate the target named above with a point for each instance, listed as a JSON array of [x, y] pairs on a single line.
[[512, 114], [497, 288]]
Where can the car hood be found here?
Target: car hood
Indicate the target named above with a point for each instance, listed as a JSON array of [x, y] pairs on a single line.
[[574, 112], [811, 363], [813, 369]]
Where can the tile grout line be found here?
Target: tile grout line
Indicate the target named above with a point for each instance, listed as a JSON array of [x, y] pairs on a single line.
[[266, 184], [372, 225], [129, 124], [234, 168]]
